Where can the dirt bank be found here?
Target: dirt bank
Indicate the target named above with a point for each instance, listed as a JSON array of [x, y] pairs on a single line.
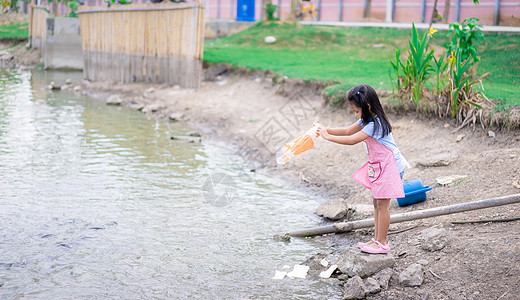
[[253, 116]]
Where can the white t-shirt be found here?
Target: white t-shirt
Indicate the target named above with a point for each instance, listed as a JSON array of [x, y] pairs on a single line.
[[387, 141]]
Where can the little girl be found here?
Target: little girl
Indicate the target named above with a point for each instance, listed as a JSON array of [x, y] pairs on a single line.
[[385, 167]]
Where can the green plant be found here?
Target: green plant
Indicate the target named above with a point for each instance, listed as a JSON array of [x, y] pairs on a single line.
[[270, 9], [465, 36], [73, 5], [417, 69], [440, 67]]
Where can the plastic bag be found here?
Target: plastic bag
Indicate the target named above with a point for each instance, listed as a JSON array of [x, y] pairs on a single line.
[[298, 146]]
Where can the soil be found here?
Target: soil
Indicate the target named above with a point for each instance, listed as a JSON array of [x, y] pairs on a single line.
[[252, 115]]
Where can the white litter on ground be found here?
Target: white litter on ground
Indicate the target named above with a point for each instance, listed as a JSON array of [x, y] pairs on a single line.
[[324, 263], [299, 271], [279, 275], [327, 273]]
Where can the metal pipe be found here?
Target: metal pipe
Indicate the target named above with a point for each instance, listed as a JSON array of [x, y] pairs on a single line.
[[278, 12], [496, 20], [457, 10], [409, 216], [423, 11], [218, 9], [340, 10], [319, 10]]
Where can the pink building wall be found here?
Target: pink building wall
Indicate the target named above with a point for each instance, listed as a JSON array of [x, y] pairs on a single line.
[[406, 11]]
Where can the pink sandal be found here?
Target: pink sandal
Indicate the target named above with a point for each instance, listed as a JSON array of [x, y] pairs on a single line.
[[361, 245], [381, 249]]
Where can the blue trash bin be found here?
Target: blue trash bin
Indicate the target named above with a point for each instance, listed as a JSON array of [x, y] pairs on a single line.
[[246, 10], [414, 192]]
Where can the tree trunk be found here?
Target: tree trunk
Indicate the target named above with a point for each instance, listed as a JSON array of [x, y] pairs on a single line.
[[366, 9], [446, 13], [55, 7], [433, 13]]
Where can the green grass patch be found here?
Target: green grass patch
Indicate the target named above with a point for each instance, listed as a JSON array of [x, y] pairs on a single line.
[[356, 55], [14, 31]]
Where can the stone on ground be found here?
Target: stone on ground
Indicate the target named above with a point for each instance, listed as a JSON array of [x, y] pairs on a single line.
[[372, 285], [353, 262], [314, 263], [412, 276], [334, 209], [383, 277], [433, 239], [355, 289]]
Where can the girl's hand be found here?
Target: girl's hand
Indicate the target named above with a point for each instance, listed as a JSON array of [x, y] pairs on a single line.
[[322, 130]]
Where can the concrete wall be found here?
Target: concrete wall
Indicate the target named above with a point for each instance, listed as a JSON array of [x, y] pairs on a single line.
[[62, 48], [221, 28]]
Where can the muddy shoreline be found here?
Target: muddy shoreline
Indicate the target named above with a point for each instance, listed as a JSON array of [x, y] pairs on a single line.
[[240, 109]]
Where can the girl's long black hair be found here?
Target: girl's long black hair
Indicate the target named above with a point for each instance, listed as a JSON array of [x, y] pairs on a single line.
[[365, 97]]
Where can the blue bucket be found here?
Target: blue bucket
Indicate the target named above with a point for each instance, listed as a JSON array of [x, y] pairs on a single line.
[[414, 192]]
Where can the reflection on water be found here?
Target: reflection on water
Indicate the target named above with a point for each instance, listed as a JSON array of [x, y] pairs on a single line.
[[98, 202]]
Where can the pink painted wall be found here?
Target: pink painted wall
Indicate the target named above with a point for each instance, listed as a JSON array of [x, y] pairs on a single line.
[[406, 11]]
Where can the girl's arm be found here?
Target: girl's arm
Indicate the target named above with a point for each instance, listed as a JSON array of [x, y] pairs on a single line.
[[345, 131], [344, 140]]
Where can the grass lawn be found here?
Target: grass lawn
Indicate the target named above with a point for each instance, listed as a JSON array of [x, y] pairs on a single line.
[[14, 31], [356, 55]]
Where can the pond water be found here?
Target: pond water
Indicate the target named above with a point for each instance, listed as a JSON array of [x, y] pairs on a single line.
[[97, 202]]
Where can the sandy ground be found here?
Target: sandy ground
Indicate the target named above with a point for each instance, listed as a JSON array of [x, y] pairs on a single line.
[[253, 116]]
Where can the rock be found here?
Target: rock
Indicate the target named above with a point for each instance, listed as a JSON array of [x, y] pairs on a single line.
[[412, 276], [314, 263], [334, 209], [343, 277], [268, 80], [447, 125], [148, 92], [258, 80], [221, 82], [355, 289], [460, 137], [77, 88], [491, 134], [175, 117], [516, 184], [64, 87], [423, 262], [282, 237], [68, 81], [176, 87], [213, 71], [372, 285], [114, 100], [445, 180], [383, 277], [352, 261], [269, 39], [437, 158], [154, 107], [433, 239], [194, 133], [378, 45]]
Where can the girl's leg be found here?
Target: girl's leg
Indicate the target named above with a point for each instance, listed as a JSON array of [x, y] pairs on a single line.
[[383, 220], [376, 218]]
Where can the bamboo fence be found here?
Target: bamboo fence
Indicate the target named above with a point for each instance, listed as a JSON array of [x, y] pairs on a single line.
[[143, 43], [37, 26]]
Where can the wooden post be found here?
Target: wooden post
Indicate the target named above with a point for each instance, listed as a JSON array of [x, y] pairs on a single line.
[[409, 216]]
